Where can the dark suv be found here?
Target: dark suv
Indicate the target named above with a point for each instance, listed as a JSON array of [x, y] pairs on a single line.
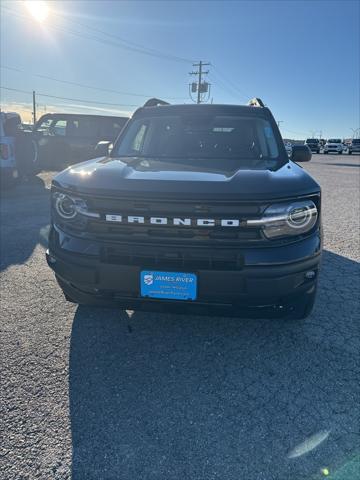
[[63, 139], [314, 144], [196, 206], [354, 146]]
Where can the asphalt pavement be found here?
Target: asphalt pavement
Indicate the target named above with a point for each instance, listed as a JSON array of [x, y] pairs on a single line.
[[93, 394]]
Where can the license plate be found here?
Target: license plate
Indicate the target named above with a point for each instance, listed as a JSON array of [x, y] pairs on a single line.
[[169, 285]]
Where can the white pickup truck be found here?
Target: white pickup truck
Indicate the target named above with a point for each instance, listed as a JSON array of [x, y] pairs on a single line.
[[334, 145]]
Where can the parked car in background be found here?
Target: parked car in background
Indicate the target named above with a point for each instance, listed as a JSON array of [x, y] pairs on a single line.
[[313, 144], [288, 148], [334, 145], [354, 146], [8, 169], [17, 150], [64, 139]]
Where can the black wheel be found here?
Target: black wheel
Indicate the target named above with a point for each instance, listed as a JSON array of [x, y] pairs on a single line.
[[339, 153], [349, 152], [26, 154], [301, 307], [34, 157]]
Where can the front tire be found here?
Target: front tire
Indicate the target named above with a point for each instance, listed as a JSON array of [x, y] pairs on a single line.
[[26, 149]]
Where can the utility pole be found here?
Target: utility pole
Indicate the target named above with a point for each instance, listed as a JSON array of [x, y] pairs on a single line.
[[34, 107], [356, 132], [201, 86], [278, 122]]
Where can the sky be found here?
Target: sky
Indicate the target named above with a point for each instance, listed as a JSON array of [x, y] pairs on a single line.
[[301, 57]]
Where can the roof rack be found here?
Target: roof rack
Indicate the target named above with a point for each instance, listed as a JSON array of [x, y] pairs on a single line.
[[256, 102], [155, 102]]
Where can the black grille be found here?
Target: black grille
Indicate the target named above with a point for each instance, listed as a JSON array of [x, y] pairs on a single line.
[[173, 234], [181, 259], [140, 234]]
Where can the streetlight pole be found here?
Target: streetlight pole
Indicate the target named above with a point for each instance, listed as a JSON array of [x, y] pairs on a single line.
[[34, 108]]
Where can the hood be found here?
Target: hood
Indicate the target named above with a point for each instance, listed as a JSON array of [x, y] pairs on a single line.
[[151, 177]]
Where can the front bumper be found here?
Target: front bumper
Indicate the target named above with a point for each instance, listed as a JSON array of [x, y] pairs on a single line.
[[333, 150], [269, 275]]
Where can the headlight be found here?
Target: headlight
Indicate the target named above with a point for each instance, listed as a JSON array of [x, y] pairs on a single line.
[[67, 207], [281, 220]]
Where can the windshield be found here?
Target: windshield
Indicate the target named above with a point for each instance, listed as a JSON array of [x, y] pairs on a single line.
[[334, 140], [244, 139], [312, 140], [356, 142]]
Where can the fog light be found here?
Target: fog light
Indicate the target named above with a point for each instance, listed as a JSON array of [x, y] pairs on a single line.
[[310, 274]]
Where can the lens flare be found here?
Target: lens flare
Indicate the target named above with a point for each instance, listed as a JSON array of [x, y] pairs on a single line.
[[38, 9]]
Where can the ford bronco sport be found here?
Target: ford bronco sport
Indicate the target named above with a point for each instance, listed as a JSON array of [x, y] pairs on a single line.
[[196, 206]]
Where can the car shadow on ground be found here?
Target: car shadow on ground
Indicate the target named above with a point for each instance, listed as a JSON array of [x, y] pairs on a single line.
[[25, 216], [343, 164], [157, 396]]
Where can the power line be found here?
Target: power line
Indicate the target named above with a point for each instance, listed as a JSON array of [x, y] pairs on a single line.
[[218, 82], [230, 83], [119, 42], [128, 44], [67, 98], [68, 82]]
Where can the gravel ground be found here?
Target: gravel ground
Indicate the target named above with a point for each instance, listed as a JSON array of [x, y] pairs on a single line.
[[103, 394]]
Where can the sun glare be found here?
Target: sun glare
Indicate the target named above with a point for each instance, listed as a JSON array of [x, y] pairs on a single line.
[[38, 9]]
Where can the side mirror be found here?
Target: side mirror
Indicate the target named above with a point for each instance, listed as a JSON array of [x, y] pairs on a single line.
[[103, 148], [300, 153]]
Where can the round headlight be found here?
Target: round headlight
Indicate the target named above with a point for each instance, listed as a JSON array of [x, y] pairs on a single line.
[[281, 219], [300, 217], [65, 206]]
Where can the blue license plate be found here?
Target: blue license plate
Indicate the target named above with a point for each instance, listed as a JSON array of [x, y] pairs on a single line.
[[170, 285]]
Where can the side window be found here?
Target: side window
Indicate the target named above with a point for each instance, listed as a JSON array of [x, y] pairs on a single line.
[[72, 128], [89, 127], [267, 141], [110, 129], [44, 126], [115, 128], [11, 126], [139, 139], [133, 141], [83, 127], [58, 128]]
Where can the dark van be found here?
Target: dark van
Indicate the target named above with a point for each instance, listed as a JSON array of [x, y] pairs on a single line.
[[64, 139]]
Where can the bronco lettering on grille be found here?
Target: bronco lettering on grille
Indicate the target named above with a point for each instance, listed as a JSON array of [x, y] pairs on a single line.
[[179, 222]]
